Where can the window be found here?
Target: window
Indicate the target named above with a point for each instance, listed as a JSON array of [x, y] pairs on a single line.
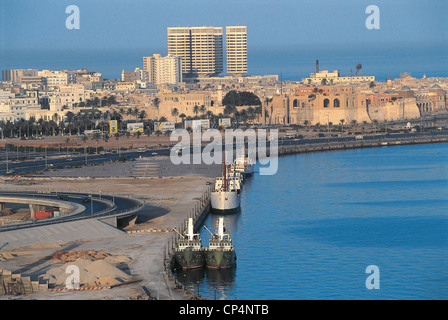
[[336, 103], [326, 103]]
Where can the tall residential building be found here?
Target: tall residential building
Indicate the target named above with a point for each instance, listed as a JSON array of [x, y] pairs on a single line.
[[200, 48], [163, 70], [16, 75], [236, 43]]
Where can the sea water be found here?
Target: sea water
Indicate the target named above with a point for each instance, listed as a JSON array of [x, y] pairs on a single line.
[[311, 230]]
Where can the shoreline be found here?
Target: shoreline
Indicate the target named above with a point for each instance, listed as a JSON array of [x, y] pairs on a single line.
[[358, 144], [156, 231]]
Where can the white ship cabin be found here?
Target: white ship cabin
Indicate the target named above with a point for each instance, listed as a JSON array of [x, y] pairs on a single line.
[[190, 239], [217, 244], [232, 184], [220, 241], [194, 244]]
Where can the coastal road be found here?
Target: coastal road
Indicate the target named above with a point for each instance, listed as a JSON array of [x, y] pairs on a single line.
[[29, 166]]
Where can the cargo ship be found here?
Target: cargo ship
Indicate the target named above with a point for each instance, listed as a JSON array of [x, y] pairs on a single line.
[[189, 253], [244, 164], [225, 196], [220, 252]]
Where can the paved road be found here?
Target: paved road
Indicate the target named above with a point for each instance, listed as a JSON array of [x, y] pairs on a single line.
[[98, 206], [18, 167]]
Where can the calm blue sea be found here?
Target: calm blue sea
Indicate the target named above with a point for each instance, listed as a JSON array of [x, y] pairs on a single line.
[[292, 63], [311, 230]]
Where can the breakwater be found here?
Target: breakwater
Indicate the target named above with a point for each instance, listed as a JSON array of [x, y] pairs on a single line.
[[356, 144]]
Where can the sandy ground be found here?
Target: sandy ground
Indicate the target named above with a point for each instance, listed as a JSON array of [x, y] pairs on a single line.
[[169, 194]]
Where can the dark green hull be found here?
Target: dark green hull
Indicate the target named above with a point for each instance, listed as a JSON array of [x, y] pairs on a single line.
[[190, 259], [218, 259]]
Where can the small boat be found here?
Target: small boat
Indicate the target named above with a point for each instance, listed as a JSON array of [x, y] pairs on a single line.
[[189, 253], [220, 252]]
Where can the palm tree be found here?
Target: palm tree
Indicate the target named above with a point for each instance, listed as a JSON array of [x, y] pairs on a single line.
[[354, 122], [182, 116], [2, 127], [175, 113], [196, 110], [342, 124], [156, 103], [263, 109], [142, 115]]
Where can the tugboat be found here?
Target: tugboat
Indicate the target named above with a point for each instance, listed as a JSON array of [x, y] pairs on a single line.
[[220, 252], [225, 196], [189, 253]]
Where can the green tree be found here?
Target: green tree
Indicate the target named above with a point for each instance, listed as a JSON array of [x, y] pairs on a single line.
[[175, 113]]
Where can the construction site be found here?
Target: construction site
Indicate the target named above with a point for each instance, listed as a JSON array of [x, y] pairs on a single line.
[[129, 263]]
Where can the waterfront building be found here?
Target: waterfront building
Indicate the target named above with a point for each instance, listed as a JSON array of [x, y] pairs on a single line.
[[325, 77], [163, 70], [200, 48], [236, 50], [431, 100], [325, 104]]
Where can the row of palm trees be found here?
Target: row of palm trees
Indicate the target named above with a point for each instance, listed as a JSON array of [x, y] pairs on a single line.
[[245, 115], [90, 119]]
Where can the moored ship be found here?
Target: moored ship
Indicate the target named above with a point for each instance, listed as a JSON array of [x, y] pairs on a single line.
[[225, 196], [244, 164], [189, 253], [220, 252]]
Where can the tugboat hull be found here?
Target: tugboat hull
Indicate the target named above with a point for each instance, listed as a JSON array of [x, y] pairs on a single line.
[[219, 259], [190, 259]]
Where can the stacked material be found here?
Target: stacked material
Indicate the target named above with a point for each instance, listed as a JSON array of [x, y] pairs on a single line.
[[96, 269], [68, 256]]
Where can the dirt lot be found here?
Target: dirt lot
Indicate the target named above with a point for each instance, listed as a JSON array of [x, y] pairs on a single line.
[[169, 200]]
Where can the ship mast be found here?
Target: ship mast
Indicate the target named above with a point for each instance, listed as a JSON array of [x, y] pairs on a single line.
[[225, 177], [221, 228], [190, 233]]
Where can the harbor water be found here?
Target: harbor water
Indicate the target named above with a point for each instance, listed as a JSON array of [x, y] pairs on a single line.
[[311, 230]]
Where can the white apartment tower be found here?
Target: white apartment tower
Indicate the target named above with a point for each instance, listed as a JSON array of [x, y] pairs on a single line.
[[200, 48], [163, 70], [236, 47]]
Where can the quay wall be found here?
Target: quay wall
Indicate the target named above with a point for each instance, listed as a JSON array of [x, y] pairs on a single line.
[[345, 145]]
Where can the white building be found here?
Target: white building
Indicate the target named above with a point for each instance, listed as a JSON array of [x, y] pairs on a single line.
[[200, 48], [236, 46], [163, 70], [54, 78], [13, 108], [326, 77]]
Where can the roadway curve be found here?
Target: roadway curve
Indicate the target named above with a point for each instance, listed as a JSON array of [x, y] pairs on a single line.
[[99, 207]]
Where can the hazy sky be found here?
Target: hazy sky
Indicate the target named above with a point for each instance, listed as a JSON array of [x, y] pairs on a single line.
[[117, 24]]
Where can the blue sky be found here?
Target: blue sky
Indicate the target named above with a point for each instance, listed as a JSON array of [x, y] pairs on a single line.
[[141, 24]]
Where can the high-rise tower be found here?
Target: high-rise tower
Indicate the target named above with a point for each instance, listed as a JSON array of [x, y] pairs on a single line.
[[200, 48], [236, 43]]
